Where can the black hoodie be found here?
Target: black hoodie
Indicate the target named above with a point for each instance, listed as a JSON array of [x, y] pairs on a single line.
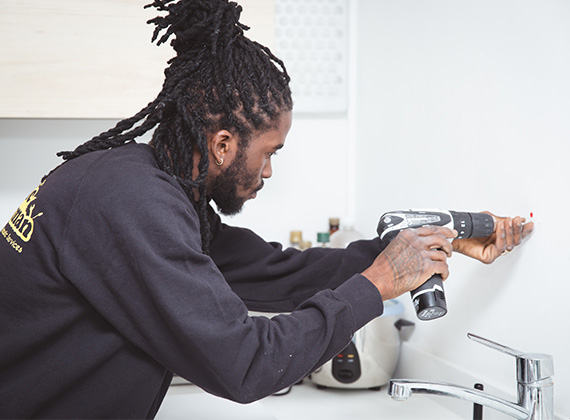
[[104, 292]]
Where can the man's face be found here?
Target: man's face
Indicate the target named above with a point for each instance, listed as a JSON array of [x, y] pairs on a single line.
[[243, 177]]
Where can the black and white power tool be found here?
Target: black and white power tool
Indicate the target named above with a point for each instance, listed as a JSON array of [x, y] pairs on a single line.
[[429, 298]]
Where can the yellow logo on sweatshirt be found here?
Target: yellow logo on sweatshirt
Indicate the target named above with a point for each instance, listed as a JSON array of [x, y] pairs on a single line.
[[22, 222]]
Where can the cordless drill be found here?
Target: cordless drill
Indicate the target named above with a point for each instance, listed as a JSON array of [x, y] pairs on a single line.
[[429, 298]]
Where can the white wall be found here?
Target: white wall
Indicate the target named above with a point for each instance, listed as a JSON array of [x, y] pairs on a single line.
[[308, 184], [465, 105], [28, 153]]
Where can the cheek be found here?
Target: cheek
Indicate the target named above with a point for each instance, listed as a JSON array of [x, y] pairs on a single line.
[[250, 177], [257, 167]]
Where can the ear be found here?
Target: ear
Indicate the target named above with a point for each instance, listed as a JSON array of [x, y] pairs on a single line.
[[223, 147]]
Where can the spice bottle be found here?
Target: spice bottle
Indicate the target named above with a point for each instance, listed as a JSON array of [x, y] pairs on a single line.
[[295, 238], [334, 223], [323, 238]]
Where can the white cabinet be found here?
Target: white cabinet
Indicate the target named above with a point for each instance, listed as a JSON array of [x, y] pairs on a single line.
[[89, 58]]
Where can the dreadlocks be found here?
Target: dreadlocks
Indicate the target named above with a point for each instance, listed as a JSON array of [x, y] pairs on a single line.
[[218, 79]]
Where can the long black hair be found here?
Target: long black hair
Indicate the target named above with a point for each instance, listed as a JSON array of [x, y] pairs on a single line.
[[218, 79]]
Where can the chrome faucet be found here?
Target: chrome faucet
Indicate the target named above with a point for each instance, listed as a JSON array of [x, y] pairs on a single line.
[[535, 387]]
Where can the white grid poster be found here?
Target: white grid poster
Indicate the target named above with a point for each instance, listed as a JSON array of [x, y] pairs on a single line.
[[311, 37]]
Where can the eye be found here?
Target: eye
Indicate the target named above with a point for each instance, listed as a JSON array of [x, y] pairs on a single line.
[[272, 154]]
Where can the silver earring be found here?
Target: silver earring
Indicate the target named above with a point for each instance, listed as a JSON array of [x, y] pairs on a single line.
[[220, 162]]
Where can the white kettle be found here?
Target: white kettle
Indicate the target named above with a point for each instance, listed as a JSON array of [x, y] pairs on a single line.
[[369, 361]]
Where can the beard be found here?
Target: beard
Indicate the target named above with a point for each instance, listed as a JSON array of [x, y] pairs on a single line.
[[224, 187]]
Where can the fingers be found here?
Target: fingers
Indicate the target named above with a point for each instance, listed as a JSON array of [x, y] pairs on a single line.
[[501, 237], [514, 231], [439, 263], [435, 237], [437, 255], [442, 269], [517, 228], [430, 230], [527, 229], [511, 232]]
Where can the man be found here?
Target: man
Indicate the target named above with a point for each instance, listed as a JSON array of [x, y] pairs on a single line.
[[116, 272]]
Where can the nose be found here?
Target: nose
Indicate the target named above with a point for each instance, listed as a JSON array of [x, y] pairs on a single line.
[[267, 169]]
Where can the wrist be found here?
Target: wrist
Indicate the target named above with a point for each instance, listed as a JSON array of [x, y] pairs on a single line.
[[379, 280], [457, 245]]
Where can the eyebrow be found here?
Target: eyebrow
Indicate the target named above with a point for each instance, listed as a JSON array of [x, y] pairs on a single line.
[[278, 147]]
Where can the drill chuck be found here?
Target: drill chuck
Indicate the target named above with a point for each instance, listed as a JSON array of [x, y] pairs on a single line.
[[472, 225]]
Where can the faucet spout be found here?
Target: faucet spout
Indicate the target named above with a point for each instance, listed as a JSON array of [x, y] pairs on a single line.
[[402, 389]]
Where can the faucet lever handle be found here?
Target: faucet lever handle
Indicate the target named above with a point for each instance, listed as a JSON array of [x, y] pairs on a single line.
[[531, 367], [493, 345]]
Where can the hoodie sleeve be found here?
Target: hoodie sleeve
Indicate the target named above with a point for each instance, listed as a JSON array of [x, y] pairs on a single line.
[[272, 279]]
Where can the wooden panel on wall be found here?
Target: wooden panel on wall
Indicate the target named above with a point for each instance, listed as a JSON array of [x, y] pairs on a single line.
[[89, 58]]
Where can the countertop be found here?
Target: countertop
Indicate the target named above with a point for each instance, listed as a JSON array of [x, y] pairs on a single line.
[[304, 402]]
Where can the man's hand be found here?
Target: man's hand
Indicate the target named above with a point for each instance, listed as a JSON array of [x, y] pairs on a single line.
[[509, 232], [410, 260]]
